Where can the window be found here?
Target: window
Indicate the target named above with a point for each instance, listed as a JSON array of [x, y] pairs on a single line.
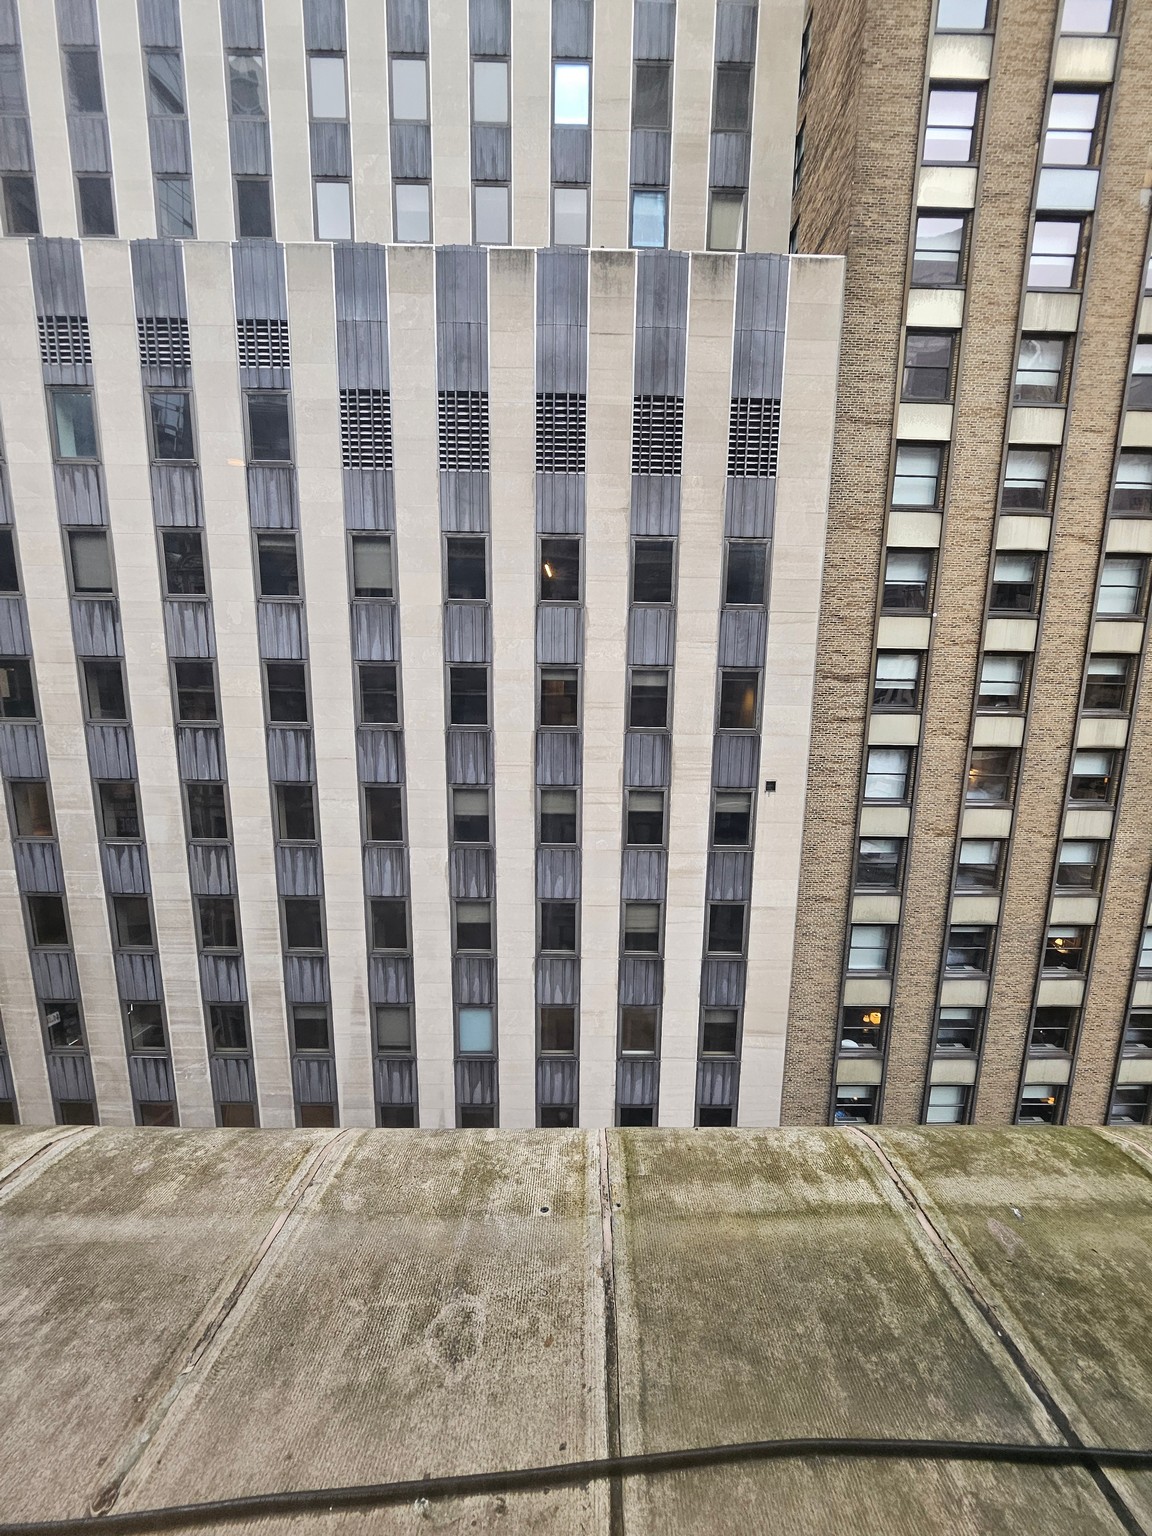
[[571, 94], [287, 693], [254, 207], [726, 220], [229, 1025], [82, 73], [947, 1104], [731, 818], [649, 215], [310, 1031], [739, 700], [648, 698], [207, 812], [862, 1029], [175, 219], [1130, 1104], [471, 820], [393, 1029], [379, 700], [991, 775], [74, 424], [165, 82], [371, 566], [1132, 491], [962, 16], [21, 215], [897, 681], [466, 569], [183, 552], [980, 864], [725, 928], [1123, 585], [1144, 959], [31, 810], [474, 925], [277, 565], [937, 259], [384, 813], [637, 1031], [559, 696], [558, 817], [746, 572], [413, 212], [246, 85], [295, 813], [731, 105], [491, 215], [218, 927], [104, 690], [94, 195], [1053, 259], [1041, 1104], [558, 926], [888, 775], [329, 93], [64, 1030], [389, 923], [652, 96], [1070, 136], [870, 946], [170, 413], [91, 562], [1053, 1029], [1066, 949], [303, 923], [195, 690], [1086, 16], [333, 209], [855, 1104], [1107, 683], [1095, 776], [928, 365], [968, 949], [269, 434], [950, 135], [570, 215], [1027, 478], [145, 1026], [559, 570], [907, 580], [879, 863], [719, 1031], [489, 91], [132, 922], [1001, 685], [1040, 372], [557, 1031], [9, 576], [467, 696], [645, 818], [1140, 384], [1138, 1032], [47, 921], [641, 927], [958, 1030], [1015, 584], [916, 482], [653, 570], [119, 813]]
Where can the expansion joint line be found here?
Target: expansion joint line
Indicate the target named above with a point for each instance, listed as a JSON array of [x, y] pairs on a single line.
[[17, 1174], [611, 1338], [1015, 1352]]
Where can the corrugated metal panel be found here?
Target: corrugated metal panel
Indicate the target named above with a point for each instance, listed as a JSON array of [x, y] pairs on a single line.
[[314, 1079], [641, 981], [168, 141], [9, 24], [200, 752], [408, 26], [57, 277], [281, 630], [722, 983], [361, 279], [743, 637], [374, 631], [210, 869], [472, 873], [735, 32], [730, 876], [324, 25], [331, 146], [125, 869], [14, 637], [461, 317], [474, 981], [290, 755], [111, 754], [158, 277], [79, 495], [560, 503], [151, 1078], [647, 759], [385, 870], [369, 499], [38, 866], [395, 1080], [70, 1076], [476, 1082], [560, 634], [469, 757], [22, 754], [306, 978], [557, 1080], [735, 760], [96, 627], [176, 496], [571, 154], [222, 979], [562, 321], [159, 23], [558, 755], [138, 977], [251, 147], [758, 343], [653, 29], [467, 636], [15, 144], [558, 874], [464, 503], [749, 508], [558, 980], [716, 1083], [411, 151], [728, 160], [652, 639], [232, 1080], [644, 874], [656, 505], [54, 975], [298, 870], [243, 24], [188, 625], [651, 157], [272, 497], [572, 29], [390, 978], [491, 152], [637, 1083], [490, 28], [661, 321], [88, 142], [380, 756]]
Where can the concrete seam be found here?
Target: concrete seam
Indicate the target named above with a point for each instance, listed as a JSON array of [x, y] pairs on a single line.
[[1141, 1156], [31, 1167]]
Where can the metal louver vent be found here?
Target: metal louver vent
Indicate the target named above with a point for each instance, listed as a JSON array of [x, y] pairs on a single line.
[[657, 434], [560, 434], [366, 428], [463, 429], [64, 341], [263, 343], [163, 343], [753, 438]]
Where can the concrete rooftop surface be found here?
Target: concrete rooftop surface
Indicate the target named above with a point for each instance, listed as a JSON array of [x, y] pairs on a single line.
[[188, 1316]]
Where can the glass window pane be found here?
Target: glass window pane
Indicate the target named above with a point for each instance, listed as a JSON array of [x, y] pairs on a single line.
[[489, 91], [470, 818], [492, 215], [21, 216], [917, 478], [333, 210], [558, 816], [468, 696], [329, 96], [82, 68], [75, 423], [474, 925], [747, 572], [652, 96], [887, 773], [476, 1034], [174, 213], [165, 83], [570, 216], [104, 687], [270, 440], [1121, 584], [648, 699], [726, 222], [146, 1026], [379, 699], [648, 210], [277, 565], [97, 215], [961, 15], [559, 570], [1026, 474], [393, 1028], [32, 813], [637, 1031], [642, 927], [253, 207], [287, 693], [1086, 16], [390, 923], [413, 212], [91, 562], [310, 1028], [939, 241], [652, 570], [410, 90], [183, 562], [9, 575], [733, 98], [1052, 262], [246, 84], [207, 812], [557, 1031], [303, 923], [571, 93], [295, 813], [739, 698], [12, 98], [119, 815], [467, 574], [372, 566], [171, 416]]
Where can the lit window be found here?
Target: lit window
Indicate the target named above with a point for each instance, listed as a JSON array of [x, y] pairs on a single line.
[[571, 94]]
